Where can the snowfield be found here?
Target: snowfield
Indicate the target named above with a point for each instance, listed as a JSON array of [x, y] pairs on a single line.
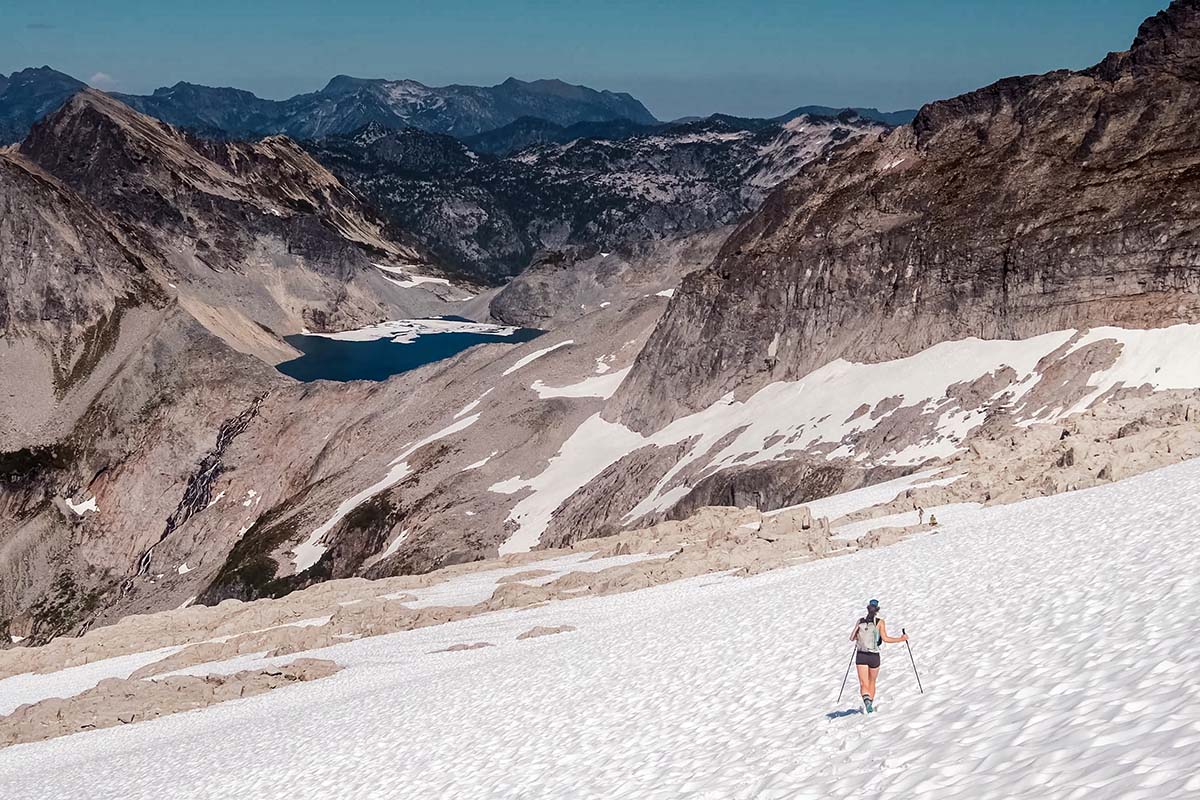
[[1053, 636]]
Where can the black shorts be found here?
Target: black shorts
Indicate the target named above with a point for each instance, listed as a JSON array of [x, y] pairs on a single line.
[[867, 659]]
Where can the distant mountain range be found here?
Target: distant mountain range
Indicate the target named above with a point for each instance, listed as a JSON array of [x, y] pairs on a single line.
[[487, 207], [29, 95], [500, 119], [892, 118], [347, 104]]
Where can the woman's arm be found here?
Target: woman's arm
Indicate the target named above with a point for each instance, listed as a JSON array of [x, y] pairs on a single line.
[[889, 639], [854, 632]]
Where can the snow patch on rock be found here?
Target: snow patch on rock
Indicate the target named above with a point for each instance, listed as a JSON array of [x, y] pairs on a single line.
[[603, 386], [309, 552], [535, 355], [83, 506], [821, 410]]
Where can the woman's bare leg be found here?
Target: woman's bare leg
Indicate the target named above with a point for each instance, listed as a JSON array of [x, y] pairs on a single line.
[[872, 675], [864, 678]]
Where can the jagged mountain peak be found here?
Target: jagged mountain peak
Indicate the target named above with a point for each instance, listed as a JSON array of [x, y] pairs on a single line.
[[95, 123], [1167, 46], [1170, 40], [43, 71], [151, 172]]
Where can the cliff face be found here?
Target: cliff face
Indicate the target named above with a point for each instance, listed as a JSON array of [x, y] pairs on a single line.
[[69, 277], [1035, 204]]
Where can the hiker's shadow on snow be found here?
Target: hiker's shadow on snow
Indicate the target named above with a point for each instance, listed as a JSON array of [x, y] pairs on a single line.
[[849, 712]]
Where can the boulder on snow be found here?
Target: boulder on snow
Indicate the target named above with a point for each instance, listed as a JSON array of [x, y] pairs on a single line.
[[542, 630], [792, 520], [461, 646]]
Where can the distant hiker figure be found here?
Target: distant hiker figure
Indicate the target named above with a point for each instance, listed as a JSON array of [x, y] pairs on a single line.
[[870, 632], [920, 515]]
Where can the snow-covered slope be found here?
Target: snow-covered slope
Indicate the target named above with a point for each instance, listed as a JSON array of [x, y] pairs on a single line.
[[903, 412], [1048, 633]]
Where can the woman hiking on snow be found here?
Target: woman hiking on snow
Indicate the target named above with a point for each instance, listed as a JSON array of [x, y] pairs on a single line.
[[869, 632]]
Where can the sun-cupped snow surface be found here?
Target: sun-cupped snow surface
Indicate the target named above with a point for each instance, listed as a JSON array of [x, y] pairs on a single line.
[[1077, 684], [403, 331], [309, 551], [476, 587], [829, 406], [535, 355]]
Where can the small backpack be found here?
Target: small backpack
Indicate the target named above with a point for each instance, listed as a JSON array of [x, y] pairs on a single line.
[[868, 637]]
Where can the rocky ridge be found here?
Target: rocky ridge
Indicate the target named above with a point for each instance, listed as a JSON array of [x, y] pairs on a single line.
[[29, 94], [116, 701]]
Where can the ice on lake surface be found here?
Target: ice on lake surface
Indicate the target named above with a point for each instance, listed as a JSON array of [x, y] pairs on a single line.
[[390, 348]]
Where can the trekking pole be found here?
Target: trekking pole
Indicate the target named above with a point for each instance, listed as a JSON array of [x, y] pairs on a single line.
[[913, 660], [847, 676]]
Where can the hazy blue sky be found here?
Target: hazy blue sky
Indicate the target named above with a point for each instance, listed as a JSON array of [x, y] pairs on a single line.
[[753, 57]]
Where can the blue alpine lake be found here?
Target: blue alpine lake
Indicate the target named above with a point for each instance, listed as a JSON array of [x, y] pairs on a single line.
[[377, 359]]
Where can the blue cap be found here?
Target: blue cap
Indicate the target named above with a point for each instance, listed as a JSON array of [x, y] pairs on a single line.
[[874, 603]]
